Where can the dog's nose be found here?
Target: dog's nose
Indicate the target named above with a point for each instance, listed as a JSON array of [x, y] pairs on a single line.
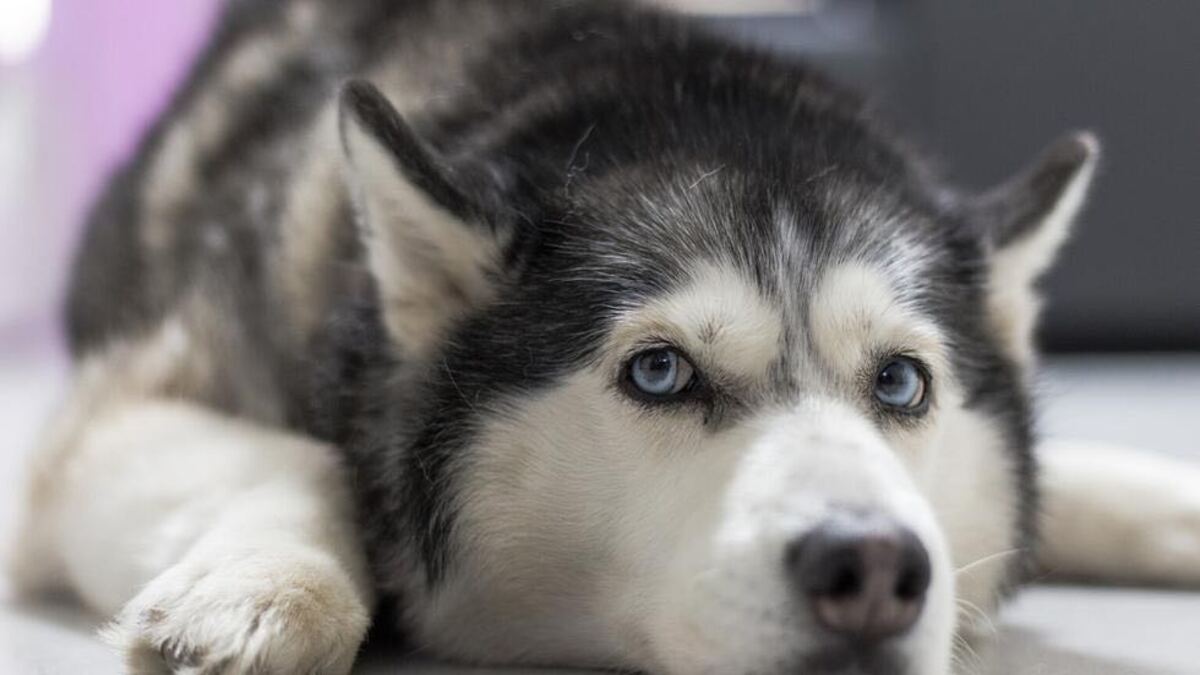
[[864, 574]]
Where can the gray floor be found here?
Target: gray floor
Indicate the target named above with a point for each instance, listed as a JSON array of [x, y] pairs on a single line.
[[1148, 401]]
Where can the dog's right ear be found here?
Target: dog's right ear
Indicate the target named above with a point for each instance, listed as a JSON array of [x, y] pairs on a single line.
[[429, 250]]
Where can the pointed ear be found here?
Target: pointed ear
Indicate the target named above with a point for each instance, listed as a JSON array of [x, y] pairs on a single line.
[[1024, 223], [427, 245]]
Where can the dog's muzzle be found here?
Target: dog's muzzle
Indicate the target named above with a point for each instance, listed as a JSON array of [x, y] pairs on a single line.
[[820, 555]]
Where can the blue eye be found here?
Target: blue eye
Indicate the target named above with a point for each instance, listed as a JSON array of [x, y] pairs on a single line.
[[901, 384], [660, 372]]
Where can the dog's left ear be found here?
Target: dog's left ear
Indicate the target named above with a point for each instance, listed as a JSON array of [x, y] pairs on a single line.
[[1025, 222]]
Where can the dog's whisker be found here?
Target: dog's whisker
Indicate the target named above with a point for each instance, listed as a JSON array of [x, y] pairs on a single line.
[[964, 658], [986, 559], [981, 616]]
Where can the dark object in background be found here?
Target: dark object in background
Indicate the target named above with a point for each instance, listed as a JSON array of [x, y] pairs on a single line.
[[985, 85]]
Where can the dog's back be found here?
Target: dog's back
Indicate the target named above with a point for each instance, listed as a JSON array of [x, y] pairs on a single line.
[[233, 218]]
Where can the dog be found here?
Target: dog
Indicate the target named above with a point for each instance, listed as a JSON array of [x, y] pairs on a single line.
[[562, 333]]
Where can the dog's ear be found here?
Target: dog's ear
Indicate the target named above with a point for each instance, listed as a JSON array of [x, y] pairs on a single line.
[[1024, 223], [429, 248]]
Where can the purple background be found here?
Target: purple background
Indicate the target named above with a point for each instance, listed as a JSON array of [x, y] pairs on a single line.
[[69, 114]]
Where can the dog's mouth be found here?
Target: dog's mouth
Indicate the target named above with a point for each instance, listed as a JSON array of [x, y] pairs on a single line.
[[854, 659]]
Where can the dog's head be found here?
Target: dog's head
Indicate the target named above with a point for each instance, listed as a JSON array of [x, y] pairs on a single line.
[[700, 379]]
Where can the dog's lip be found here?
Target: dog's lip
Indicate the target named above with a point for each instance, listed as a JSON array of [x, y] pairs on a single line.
[[854, 659]]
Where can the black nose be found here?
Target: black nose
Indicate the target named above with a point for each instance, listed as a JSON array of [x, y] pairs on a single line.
[[864, 574]]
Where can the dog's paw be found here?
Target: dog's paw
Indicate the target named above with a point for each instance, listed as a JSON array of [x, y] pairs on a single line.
[[1118, 515], [246, 613], [1169, 541]]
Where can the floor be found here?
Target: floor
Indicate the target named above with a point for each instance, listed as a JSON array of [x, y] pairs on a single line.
[[1048, 630]]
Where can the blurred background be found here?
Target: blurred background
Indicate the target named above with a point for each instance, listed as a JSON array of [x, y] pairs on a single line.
[[982, 86]]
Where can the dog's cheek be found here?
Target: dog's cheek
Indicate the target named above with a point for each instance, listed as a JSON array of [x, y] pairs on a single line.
[[557, 528], [972, 480]]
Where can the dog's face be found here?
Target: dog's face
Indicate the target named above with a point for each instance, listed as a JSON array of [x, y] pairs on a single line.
[[756, 407]]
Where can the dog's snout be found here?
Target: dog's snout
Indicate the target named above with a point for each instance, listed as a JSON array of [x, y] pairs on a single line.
[[864, 575]]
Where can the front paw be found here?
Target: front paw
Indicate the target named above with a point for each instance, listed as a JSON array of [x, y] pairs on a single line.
[[256, 612], [1169, 541]]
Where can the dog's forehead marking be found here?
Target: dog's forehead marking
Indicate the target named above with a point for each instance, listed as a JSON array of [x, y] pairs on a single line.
[[718, 315], [856, 310]]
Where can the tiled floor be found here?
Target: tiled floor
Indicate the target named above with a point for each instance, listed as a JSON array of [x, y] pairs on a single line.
[[1148, 401]]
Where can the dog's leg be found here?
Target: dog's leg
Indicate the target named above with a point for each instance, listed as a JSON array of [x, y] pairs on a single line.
[[222, 545], [1119, 515]]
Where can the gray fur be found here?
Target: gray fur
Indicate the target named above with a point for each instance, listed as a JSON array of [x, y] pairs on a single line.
[[608, 150]]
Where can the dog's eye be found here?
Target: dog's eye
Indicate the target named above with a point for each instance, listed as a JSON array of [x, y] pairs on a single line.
[[660, 372], [901, 384]]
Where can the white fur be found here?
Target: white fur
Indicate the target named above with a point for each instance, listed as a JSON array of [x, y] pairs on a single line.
[[718, 317], [590, 529], [855, 312], [729, 608], [223, 540], [1116, 514], [594, 531], [971, 483], [428, 265], [1013, 301], [958, 459]]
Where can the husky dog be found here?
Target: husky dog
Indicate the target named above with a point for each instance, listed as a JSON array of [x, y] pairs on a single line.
[[561, 333]]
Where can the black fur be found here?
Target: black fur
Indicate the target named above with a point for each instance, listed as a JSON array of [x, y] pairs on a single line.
[[618, 146], [1010, 211], [579, 168], [363, 101]]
